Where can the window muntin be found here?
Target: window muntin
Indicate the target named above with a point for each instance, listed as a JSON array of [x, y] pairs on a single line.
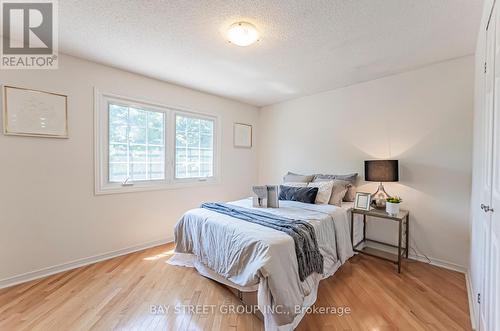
[[136, 144], [194, 147]]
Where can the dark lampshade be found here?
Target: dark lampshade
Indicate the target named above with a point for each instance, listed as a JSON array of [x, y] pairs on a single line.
[[381, 171]]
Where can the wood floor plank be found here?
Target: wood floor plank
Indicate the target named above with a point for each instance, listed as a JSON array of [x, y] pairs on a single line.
[[118, 294]]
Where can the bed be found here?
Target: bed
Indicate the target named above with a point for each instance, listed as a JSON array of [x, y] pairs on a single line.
[[251, 258]]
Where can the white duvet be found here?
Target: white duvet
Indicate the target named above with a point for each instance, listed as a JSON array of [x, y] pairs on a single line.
[[250, 256]]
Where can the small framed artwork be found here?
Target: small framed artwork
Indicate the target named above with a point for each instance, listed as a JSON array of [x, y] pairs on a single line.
[[34, 113], [242, 135], [362, 201]]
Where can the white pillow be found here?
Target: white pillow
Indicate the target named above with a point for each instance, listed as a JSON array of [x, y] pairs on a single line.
[[324, 191], [295, 184]]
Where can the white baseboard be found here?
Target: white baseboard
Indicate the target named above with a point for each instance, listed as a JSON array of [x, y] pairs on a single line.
[[32, 275], [422, 258], [439, 263], [468, 284], [454, 267], [472, 300]]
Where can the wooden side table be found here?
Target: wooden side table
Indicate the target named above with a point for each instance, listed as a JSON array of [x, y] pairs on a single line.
[[403, 218]]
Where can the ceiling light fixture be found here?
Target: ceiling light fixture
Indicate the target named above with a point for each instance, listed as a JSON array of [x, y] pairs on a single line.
[[242, 34]]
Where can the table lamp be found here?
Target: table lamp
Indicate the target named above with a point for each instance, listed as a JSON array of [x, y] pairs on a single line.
[[381, 171]]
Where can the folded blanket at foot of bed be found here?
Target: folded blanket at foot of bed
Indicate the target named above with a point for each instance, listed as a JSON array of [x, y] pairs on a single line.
[[309, 258]]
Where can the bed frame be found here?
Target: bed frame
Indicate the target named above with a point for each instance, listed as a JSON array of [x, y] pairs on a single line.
[[246, 298]]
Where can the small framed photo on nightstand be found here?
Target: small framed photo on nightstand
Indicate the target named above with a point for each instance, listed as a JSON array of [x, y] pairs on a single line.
[[362, 201]]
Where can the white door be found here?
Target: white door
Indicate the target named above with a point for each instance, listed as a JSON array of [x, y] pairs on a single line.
[[492, 279], [486, 166]]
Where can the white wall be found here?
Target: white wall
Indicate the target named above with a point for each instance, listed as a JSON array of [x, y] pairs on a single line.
[[423, 118], [48, 212]]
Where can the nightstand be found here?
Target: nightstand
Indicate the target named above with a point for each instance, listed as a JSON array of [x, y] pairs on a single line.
[[403, 219]]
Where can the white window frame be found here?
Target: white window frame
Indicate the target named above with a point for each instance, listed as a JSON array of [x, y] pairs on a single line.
[[101, 146], [214, 144]]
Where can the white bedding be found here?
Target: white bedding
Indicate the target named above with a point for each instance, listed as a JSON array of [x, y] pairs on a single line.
[[249, 256]]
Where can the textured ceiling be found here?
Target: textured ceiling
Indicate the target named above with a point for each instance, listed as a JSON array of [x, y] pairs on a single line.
[[306, 46]]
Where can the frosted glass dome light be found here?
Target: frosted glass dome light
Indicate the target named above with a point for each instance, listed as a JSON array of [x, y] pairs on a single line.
[[242, 34]]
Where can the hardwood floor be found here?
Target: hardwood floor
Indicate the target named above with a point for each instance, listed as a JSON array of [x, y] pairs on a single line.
[[118, 294]]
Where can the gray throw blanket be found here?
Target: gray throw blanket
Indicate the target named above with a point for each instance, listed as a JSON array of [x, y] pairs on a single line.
[[309, 258]]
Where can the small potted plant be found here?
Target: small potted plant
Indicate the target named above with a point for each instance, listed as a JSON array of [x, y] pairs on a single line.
[[392, 205]]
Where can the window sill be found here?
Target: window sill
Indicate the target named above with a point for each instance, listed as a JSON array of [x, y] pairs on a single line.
[[144, 187]]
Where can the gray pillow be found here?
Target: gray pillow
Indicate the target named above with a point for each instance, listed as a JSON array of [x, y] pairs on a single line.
[[351, 194], [292, 177], [300, 194], [339, 191], [351, 178]]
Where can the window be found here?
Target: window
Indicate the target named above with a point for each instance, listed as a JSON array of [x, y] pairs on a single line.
[[144, 146], [136, 144], [194, 147]]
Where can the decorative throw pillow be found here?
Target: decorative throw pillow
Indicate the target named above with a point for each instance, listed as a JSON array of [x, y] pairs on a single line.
[[324, 191], [292, 177], [301, 194], [351, 178], [339, 191], [351, 193]]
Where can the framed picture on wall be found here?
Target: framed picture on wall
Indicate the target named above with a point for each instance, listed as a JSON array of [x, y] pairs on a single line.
[[362, 201], [35, 113], [242, 135]]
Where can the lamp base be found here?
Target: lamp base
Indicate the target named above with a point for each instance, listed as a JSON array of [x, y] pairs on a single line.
[[379, 197]]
